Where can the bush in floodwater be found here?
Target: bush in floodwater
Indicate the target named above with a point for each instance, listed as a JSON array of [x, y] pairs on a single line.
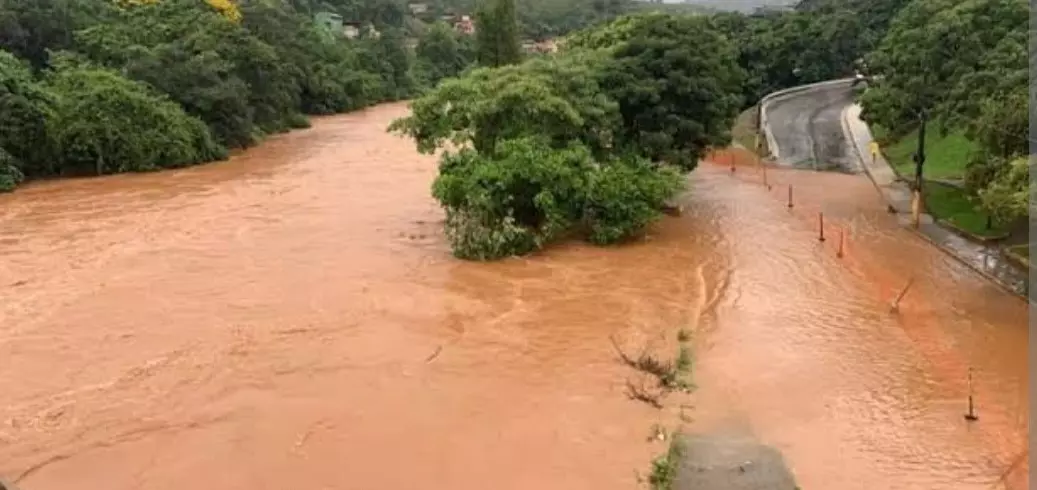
[[625, 196], [664, 467], [528, 193], [10, 175]]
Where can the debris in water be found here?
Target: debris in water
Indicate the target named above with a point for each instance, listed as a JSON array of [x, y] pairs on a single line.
[[434, 355]]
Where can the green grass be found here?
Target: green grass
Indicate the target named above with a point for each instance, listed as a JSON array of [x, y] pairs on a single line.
[[945, 159], [945, 156], [953, 205], [664, 467]]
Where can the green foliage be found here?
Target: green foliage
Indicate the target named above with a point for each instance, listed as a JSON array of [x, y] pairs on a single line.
[[543, 19], [243, 76], [387, 56], [513, 202], [820, 40], [625, 196], [676, 82], [964, 66], [612, 34], [934, 59], [1007, 197], [580, 142], [497, 37], [31, 28], [555, 97], [104, 123], [955, 206], [947, 154], [24, 111], [528, 193], [664, 467], [10, 174], [442, 53]]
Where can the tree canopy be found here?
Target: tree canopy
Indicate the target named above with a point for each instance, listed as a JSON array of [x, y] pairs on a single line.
[[86, 82], [589, 142], [963, 65]]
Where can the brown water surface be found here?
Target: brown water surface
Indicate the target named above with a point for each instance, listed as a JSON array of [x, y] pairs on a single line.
[[292, 318]]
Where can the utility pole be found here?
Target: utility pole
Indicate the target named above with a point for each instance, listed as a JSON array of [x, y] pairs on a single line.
[[916, 202]]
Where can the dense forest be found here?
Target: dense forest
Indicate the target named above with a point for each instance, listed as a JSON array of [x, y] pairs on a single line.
[[96, 86]]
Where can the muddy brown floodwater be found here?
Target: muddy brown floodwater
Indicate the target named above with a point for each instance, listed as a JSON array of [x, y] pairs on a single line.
[[292, 318]]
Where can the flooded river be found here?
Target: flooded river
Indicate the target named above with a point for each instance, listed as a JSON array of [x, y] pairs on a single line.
[[292, 318]]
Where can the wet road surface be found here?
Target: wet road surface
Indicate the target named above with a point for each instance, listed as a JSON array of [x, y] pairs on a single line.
[[292, 318], [808, 129]]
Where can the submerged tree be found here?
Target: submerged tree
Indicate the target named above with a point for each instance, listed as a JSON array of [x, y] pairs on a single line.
[[589, 143]]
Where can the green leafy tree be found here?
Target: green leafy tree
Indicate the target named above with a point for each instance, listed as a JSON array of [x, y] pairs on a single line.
[[497, 34], [441, 53], [556, 98], [30, 28], [10, 173], [1007, 197], [528, 193], [25, 109], [393, 61], [932, 47], [104, 123], [676, 82]]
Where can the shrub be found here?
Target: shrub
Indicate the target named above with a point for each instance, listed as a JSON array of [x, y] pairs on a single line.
[[625, 196], [10, 175], [527, 194], [513, 201], [105, 123]]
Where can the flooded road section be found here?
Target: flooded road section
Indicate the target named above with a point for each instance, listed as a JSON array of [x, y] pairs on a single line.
[[292, 318]]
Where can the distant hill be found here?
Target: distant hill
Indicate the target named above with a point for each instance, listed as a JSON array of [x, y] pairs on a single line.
[[746, 6]]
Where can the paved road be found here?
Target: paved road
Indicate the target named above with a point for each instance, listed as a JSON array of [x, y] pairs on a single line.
[[820, 129], [808, 129]]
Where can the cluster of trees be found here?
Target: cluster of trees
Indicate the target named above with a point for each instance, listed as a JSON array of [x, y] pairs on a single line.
[[963, 66], [544, 19], [591, 142], [103, 86], [817, 40]]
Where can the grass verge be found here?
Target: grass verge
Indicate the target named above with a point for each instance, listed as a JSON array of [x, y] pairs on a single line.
[[953, 205], [664, 467], [945, 155], [946, 158]]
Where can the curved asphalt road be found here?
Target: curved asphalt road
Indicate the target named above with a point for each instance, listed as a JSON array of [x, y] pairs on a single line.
[[807, 128], [808, 131]]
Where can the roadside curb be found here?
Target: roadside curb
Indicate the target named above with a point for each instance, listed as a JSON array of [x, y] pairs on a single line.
[[867, 170], [772, 143], [991, 240], [1019, 259]]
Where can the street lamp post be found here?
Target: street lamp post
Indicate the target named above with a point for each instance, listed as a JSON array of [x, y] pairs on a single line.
[[919, 157]]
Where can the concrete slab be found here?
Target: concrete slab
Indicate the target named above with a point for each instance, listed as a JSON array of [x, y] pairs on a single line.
[[731, 463]]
